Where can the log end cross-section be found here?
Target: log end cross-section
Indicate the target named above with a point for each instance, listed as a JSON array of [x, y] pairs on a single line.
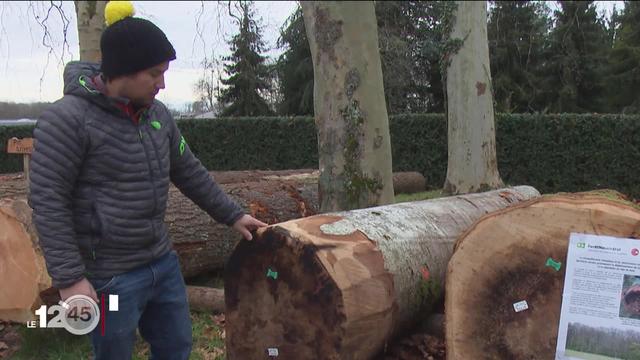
[[317, 298], [519, 254], [23, 273]]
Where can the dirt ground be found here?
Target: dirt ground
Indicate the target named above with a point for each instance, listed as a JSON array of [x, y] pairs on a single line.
[[9, 340]]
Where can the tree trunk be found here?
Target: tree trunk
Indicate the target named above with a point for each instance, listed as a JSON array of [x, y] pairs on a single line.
[[340, 285], [201, 243], [23, 273], [502, 260], [205, 299], [472, 164], [204, 245], [90, 17], [354, 149], [406, 182]]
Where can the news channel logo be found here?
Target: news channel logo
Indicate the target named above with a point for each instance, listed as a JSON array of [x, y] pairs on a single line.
[[79, 314]]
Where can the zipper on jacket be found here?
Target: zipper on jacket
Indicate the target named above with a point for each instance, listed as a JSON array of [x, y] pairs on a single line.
[[155, 195]]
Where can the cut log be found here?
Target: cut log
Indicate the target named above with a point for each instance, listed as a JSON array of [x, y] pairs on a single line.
[[204, 245], [15, 185], [201, 243], [23, 272], [205, 299], [340, 285], [502, 259], [408, 182]]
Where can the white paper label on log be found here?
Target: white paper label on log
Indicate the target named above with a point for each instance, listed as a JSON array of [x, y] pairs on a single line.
[[520, 306], [273, 351]]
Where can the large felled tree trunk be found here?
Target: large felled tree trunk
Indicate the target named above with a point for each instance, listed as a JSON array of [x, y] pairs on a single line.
[[271, 196], [504, 259], [406, 182], [90, 17], [354, 148], [205, 245], [201, 243], [472, 164], [339, 285]]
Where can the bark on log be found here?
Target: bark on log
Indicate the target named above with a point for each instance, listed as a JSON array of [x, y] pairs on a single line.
[[404, 182], [205, 299], [501, 260], [340, 285], [201, 243], [205, 245]]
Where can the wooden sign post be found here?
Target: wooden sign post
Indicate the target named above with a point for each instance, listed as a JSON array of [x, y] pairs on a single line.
[[24, 147]]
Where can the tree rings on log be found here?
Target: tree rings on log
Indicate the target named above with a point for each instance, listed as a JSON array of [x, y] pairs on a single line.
[[503, 259], [290, 301]]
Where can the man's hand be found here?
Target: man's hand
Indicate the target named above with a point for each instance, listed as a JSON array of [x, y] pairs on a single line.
[[246, 224], [82, 287]]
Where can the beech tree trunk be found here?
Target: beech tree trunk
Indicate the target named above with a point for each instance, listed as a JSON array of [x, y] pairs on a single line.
[[91, 24], [354, 148], [472, 164], [338, 286], [502, 259]]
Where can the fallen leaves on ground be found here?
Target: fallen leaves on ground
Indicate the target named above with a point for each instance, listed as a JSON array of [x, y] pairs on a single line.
[[417, 347]]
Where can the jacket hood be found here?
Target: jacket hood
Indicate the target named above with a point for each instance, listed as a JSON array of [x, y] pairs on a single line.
[[78, 80]]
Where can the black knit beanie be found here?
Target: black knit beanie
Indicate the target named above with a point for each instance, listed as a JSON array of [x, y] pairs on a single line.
[[131, 45]]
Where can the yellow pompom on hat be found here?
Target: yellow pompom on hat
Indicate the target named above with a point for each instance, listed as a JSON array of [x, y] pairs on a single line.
[[130, 44], [118, 10]]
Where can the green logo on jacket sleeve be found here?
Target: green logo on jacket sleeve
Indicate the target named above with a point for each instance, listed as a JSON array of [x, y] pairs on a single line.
[[183, 144], [156, 124]]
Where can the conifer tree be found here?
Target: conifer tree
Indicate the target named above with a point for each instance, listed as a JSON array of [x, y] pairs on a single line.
[[624, 81], [575, 61], [295, 68], [248, 75], [517, 33]]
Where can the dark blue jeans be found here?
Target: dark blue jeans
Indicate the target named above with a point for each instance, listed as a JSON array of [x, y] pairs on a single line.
[[151, 298]]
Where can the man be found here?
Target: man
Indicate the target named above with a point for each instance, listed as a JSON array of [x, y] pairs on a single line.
[[104, 155]]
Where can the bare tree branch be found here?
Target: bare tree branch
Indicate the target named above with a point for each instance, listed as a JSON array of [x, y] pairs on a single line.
[[3, 34], [47, 39]]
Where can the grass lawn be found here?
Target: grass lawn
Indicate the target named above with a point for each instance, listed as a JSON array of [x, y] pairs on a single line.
[[587, 356], [58, 344]]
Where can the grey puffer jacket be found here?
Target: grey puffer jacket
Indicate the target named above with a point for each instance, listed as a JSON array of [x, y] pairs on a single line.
[[99, 182]]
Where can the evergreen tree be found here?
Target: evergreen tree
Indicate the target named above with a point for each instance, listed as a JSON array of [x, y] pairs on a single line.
[[575, 61], [396, 35], [248, 75], [517, 33], [410, 37], [295, 68], [624, 81]]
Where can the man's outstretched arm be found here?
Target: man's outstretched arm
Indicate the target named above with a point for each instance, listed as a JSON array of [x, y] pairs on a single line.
[[193, 180]]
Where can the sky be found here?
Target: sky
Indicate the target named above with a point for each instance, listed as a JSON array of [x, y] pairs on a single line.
[[23, 58], [30, 72]]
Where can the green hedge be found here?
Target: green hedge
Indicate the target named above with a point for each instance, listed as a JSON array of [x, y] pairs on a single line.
[[564, 152]]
